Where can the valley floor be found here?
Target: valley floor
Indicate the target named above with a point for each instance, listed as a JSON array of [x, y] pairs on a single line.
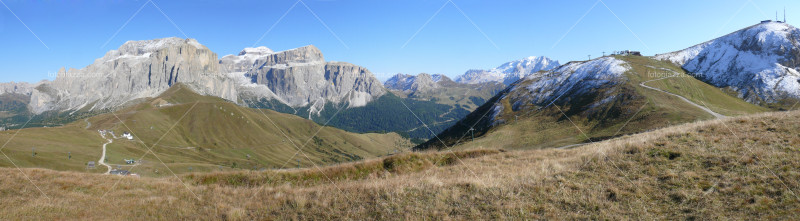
[[734, 168]]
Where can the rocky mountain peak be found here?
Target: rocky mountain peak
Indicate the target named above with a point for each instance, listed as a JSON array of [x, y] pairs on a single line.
[[301, 77], [759, 62], [150, 46], [297, 77], [440, 77], [24, 88], [411, 83], [138, 69], [509, 72], [256, 51]]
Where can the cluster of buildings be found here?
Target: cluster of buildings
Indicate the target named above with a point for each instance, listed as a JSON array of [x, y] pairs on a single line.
[[125, 135], [628, 52], [121, 172]]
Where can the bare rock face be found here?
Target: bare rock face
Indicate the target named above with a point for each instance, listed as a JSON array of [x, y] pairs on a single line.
[[141, 69], [245, 60], [301, 77], [410, 84], [23, 88], [400, 82], [138, 69]]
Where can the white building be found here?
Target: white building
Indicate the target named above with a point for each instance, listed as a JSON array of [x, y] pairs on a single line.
[[127, 136]]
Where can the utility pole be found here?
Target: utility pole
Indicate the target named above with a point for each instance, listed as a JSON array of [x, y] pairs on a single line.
[[604, 53], [473, 133]]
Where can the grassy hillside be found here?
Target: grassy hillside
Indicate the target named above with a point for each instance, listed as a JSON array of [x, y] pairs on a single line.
[[466, 96], [735, 168], [388, 113], [686, 85], [13, 110], [193, 133], [635, 109]]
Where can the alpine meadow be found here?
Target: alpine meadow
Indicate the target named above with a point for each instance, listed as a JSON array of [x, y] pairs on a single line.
[[400, 110]]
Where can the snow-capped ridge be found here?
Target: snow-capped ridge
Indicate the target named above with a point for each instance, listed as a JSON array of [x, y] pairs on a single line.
[[543, 88], [509, 72], [261, 50], [760, 62], [411, 83]]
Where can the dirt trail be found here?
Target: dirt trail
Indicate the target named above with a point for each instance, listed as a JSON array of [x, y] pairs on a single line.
[[103, 157], [704, 108]]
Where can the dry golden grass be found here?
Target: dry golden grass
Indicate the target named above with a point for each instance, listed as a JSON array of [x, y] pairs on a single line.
[[737, 168]]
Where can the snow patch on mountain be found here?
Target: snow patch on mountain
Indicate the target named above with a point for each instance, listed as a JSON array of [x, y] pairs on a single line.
[[549, 86], [509, 72], [410, 83], [759, 62], [572, 79], [400, 82]]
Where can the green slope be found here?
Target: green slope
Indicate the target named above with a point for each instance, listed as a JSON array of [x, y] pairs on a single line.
[[388, 113], [195, 133], [636, 109]]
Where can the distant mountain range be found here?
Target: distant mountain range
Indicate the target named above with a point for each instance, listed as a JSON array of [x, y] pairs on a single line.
[[140, 69], [472, 88], [509, 72], [297, 81], [411, 83], [758, 64], [615, 95]]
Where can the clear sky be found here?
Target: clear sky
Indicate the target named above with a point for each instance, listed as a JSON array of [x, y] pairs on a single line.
[[387, 37]]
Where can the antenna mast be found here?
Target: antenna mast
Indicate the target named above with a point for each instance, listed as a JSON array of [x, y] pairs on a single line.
[[784, 14]]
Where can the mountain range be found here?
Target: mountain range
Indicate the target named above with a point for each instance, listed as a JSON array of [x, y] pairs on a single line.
[[297, 81], [756, 64], [745, 72], [509, 72], [168, 129]]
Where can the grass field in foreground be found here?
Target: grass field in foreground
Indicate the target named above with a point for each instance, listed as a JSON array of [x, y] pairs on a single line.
[[737, 168]]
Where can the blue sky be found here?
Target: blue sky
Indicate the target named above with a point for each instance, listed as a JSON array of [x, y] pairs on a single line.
[[385, 36]]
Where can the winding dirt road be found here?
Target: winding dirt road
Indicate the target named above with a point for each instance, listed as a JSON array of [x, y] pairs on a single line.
[[103, 157], [704, 108]]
